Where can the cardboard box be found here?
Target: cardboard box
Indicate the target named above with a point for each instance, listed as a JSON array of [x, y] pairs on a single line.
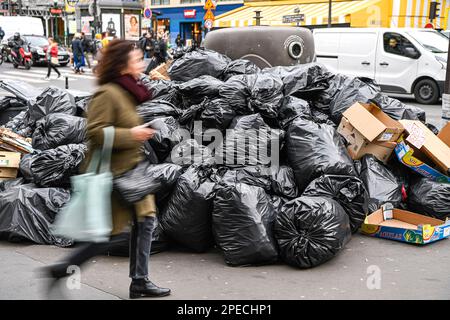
[[406, 226], [422, 148], [9, 159], [8, 173], [162, 69], [368, 130]]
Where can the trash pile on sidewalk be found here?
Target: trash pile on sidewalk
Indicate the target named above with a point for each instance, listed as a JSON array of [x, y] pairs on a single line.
[[280, 164]]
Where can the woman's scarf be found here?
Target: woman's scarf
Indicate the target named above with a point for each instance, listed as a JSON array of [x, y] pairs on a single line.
[[133, 86]]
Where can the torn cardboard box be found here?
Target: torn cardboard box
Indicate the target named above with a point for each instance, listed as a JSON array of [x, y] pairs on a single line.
[[405, 226], [368, 130], [424, 152], [9, 164]]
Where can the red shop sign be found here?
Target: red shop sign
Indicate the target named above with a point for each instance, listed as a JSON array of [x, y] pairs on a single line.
[[189, 14]]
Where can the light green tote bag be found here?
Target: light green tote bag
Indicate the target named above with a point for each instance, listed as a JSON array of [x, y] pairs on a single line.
[[88, 216]]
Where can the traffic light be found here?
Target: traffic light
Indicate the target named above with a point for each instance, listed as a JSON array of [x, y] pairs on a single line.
[[434, 10]]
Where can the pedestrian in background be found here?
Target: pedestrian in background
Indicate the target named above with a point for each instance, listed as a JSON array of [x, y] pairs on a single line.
[[52, 58], [2, 34], [87, 48], [77, 51], [114, 104]]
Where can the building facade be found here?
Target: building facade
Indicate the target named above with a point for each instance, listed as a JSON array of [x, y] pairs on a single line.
[[345, 13], [185, 17]]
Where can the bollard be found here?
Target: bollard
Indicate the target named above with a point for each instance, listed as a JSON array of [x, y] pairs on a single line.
[[67, 82]]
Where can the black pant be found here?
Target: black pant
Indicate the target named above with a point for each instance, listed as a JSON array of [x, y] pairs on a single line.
[[140, 247], [50, 67]]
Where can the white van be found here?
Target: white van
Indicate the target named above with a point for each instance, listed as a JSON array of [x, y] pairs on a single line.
[[23, 25], [401, 61]]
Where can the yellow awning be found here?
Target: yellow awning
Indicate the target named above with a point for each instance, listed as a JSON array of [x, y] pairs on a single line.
[[272, 12]]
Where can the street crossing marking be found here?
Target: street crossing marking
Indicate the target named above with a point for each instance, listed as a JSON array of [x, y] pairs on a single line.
[[9, 77]]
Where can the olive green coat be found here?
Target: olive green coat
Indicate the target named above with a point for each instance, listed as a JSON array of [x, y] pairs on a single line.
[[114, 106]]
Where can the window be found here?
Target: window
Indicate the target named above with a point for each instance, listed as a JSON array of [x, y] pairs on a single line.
[[396, 44], [190, 1], [160, 2]]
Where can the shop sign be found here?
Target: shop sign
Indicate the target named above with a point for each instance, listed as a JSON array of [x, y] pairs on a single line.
[[189, 14]]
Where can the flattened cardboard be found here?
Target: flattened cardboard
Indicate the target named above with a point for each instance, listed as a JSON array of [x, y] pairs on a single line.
[[372, 123], [444, 134], [9, 159], [433, 147], [9, 173], [406, 227]]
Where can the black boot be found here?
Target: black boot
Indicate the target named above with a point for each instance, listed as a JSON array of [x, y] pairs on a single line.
[[140, 288]]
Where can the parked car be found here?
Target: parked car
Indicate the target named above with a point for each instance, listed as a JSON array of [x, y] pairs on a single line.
[[400, 60], [39, 44]]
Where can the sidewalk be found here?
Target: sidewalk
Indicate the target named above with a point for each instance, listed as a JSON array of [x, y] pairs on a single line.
[[407, 272]]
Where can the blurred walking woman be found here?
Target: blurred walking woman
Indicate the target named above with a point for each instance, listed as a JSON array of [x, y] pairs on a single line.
[[52, 58], [114, 104]]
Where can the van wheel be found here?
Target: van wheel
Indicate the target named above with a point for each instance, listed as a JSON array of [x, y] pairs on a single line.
[[426, 91]]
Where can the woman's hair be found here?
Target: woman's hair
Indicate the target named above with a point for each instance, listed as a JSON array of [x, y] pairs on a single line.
[[114, 61], [134, 18]]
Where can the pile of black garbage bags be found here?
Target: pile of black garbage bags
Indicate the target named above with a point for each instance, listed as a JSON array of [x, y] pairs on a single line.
[[245, 160]]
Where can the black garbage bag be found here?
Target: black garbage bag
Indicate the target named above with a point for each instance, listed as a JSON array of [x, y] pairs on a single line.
[[398, 110], [26, 213], [82, 105], [20, 124], [149, 153], [275, 180], [151, 110], [278, 202], [160, 242], [236, 94], [305, 80], [187, 217], [10, 183], [52, 100], [217, 114], [189, 152], [198, 63], [197, 89], [429, 197], [314, 150], [321, 117], [25, 167], [213, 114], [243, 219], [167, 136], [250, 142], [381, 183], [311, 231], [239, 67], [54, 167], [135, 184], [9, 108], [163, 90], [57, 129], [293, 108], [352, 90], [348, 191], [21, 89], [323, 99], [266, 93]]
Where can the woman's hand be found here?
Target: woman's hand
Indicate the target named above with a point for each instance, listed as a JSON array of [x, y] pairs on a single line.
[[142, 133]]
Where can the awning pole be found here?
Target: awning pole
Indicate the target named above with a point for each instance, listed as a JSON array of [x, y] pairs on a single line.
[[329, 13]]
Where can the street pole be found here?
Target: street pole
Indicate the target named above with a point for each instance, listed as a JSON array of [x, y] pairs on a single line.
[[446, 95], [9, 8], [329, 12]]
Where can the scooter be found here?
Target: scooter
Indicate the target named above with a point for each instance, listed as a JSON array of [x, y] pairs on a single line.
[[24, 59]]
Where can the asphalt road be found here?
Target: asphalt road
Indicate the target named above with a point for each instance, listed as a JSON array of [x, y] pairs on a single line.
[[367, 268]]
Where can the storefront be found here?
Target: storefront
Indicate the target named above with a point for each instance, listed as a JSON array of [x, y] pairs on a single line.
[[119, 18], [188, 21]]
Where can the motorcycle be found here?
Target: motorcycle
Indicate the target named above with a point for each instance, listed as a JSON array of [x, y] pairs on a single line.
[[24, 58]]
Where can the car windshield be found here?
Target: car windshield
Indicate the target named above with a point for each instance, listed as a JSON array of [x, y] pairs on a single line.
[[37, 41], [431, 40]]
